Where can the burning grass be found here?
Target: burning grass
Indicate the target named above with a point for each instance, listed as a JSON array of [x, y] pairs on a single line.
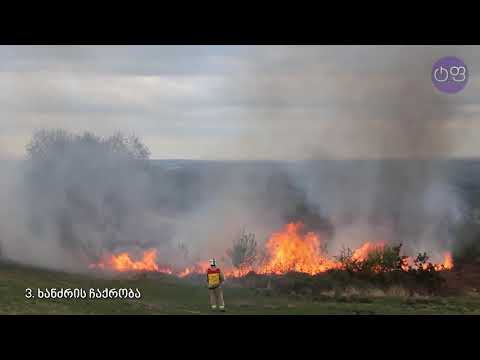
[[292, 250], [123, 262]]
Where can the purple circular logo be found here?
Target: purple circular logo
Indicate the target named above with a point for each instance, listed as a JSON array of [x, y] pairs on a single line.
[[449, 74]]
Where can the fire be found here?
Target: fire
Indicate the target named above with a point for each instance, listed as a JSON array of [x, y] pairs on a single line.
[[236, 273], [198, 268], [291, 249], [123, 262], [448, 261], [362, 252]]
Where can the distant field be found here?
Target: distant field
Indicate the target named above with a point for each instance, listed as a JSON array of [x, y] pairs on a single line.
[[167, 295]]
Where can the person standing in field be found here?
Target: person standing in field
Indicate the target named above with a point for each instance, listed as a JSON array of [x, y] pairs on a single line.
[[215, 279]]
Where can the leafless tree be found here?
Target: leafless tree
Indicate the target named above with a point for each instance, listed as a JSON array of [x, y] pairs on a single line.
[[244, 251]]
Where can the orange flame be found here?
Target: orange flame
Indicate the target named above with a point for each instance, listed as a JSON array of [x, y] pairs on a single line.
[[447, 263], [198, 268], [367, 248], [290, 249], [122, 262]]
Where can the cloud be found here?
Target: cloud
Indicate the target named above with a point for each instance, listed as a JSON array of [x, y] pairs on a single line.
[[230, 101]]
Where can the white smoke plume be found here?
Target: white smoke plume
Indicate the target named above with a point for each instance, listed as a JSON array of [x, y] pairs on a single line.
[[373, 149]]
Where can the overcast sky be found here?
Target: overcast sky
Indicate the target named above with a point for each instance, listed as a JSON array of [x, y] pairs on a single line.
[[236, 102]]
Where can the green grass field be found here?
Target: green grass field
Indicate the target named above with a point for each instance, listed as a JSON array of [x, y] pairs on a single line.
[[168, 295]]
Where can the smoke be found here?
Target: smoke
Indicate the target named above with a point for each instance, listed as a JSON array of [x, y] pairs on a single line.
[[75, 197], [79, 197], [396, 127], [371, 132]]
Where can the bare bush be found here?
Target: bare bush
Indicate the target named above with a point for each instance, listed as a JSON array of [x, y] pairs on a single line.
[[348, 262], [243, 253]]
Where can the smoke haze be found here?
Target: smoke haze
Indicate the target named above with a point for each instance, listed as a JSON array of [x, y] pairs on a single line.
[[325, 109]]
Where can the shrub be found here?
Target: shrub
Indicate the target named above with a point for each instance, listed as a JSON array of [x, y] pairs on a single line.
[[425, 277], [384, 260], [243, 254], [381, 260], [348, 262]]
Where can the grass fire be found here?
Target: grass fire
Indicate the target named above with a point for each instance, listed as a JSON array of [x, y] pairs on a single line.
[[289, 250], [113, 232], [243, 179]]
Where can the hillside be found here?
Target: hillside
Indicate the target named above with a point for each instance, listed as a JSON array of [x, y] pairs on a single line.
[[169, 295]]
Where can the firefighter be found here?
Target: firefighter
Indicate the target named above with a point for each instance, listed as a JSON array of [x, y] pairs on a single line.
[[215, 279]]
